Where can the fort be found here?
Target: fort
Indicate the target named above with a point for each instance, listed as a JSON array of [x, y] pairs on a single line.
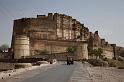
[[55, 33]]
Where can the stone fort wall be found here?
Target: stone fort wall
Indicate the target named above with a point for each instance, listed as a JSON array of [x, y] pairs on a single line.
[[57, 27]]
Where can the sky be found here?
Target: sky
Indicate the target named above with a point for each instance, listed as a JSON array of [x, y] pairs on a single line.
[[106, 16]]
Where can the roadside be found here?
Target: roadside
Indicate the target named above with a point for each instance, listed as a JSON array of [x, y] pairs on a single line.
[[16, 72], [6, 74], [81, 74], [106, 74], [86, 73]]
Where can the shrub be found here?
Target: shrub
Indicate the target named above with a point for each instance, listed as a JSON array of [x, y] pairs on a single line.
[[120, 67], [112, 64], [115, 63], [71, 49], [22, 65], [19, 66], [97, 62]]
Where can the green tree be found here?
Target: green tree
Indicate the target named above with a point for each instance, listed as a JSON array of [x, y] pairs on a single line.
[[4, 47], [95, 52], [90, 52], [100, 51], [71, 49]]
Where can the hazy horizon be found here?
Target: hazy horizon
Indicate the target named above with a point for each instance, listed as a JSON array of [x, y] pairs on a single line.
[[106, 16]]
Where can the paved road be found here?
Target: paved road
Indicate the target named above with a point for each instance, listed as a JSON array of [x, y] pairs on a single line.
[[69, 73], [59, 73]]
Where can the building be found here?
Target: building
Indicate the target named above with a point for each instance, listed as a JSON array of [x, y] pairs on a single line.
[[55, 33]]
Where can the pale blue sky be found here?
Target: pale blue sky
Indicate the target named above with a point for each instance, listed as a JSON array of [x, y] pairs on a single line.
[[106, 16]]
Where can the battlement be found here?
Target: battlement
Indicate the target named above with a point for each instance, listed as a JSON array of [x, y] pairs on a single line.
[[57, 26]]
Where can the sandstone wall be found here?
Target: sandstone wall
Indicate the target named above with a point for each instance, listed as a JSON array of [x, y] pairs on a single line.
[[60, 47], [108, 54], [57, 27]]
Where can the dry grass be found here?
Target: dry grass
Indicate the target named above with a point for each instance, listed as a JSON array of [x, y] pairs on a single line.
[[115, 63]]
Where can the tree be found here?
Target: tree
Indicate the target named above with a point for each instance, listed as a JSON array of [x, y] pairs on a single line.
[[71, 49], [95, 52], [90, 52], [4, 47], [100, 51]]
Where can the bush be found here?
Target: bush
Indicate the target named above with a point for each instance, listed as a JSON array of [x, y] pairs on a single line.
[[120, 67], [115, 63], [107, 62], [97, 62], [112, 64], [19, 66], [22, 65]]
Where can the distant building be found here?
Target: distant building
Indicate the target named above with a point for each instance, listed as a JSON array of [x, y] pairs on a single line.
[[55, 33]]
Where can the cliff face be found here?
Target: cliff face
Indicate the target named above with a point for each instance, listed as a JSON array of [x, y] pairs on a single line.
[[57, 27]]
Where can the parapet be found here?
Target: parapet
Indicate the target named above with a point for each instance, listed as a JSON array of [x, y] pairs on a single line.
[[22, 22], [102, 42], [106, 43], [50, 16], [113, 45], [82, 25], [96, 32], [41, 16]]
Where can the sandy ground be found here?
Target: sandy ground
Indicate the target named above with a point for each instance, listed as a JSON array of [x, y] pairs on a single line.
[[103, 74], [85, 73]]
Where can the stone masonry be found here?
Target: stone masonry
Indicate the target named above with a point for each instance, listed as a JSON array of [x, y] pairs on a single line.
[[56, 32]]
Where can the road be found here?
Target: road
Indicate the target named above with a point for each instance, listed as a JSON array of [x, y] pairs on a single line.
[[60, 73]]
